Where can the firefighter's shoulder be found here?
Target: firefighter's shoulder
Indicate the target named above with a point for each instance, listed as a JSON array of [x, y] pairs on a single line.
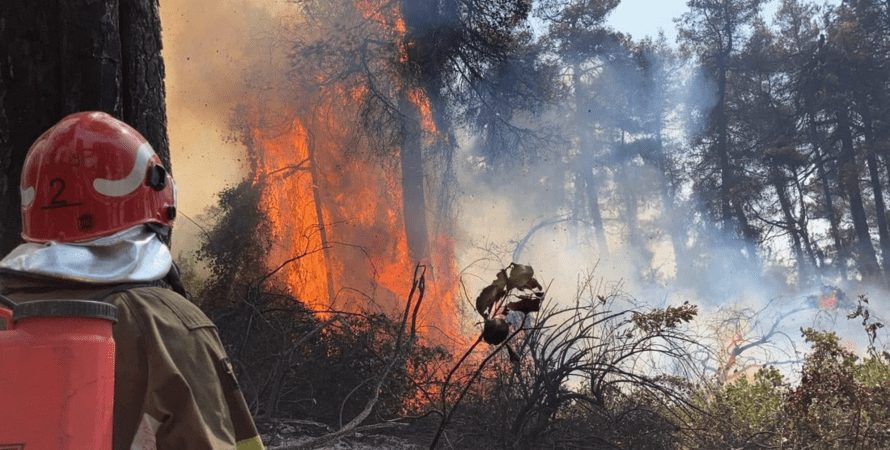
[[163, 307]]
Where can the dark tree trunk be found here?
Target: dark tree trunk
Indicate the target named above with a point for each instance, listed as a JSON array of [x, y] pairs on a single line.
[[642, 257], [871, 160], [593, 202], [802, 227], [722, 150], [675, 228], [413, 196], [143, 91], [319, 216], [834, 229], [628, 196], [849, 176], [90, 56], [778, 182], [590, 187], [722, 124], [61, 57], [31, 95], [631, 213], [444, 147]]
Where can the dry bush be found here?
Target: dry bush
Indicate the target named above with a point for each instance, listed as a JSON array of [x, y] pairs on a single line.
[[600, 373], [291, 362]]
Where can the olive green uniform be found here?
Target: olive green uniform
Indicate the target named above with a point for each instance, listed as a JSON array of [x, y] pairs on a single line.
[[174, 386]]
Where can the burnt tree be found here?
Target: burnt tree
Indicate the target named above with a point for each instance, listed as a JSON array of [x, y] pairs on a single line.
[[65, 56]]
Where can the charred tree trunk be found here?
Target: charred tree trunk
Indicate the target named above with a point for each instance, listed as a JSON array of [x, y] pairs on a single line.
[[669, 213], [444, 147], [592, 192], [319, 215], [90, 56], [31, 96], [431, 33], [61, 57], [642, 257], [867, 261], [629, 198], [413, 196]]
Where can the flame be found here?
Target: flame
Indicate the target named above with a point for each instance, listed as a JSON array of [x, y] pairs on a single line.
[[336, 215], [285, 171], [828, 301], [422, 102]]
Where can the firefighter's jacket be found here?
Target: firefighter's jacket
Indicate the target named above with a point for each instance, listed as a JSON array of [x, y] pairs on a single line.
[[174, 386]]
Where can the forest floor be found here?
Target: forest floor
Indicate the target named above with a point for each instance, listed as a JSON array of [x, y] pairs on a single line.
[[294, 433]]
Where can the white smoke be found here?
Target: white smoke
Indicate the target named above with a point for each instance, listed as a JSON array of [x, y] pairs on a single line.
[[525, 215]]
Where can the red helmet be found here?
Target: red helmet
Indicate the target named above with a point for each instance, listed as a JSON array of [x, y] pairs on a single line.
[[91, 175]]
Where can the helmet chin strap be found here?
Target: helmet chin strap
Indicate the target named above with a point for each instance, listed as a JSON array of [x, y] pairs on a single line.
[[162, 231]]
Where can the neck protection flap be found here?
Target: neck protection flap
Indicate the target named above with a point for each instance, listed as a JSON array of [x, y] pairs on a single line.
[[133, 255]]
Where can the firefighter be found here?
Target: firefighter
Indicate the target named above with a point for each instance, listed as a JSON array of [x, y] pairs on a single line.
[[96, 201]]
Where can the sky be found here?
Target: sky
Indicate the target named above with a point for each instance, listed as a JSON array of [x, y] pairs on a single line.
[[646, 17]]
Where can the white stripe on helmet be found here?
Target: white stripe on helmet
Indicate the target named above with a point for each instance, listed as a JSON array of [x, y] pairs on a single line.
[[28, 196], [128, 184]]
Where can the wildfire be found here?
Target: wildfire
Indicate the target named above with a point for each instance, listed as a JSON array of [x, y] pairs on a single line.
[[336, 215]]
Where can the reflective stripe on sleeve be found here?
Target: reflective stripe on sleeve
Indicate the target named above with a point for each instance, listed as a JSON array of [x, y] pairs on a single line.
[[253, 443]]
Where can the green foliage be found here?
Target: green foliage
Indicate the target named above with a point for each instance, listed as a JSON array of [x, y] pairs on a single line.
[[659, 320], [832, 406], [872, 372], [757, 403], [839, 402], [740, 414]]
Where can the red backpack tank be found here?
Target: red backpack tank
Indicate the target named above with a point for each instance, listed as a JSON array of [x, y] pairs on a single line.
[[56, 375]]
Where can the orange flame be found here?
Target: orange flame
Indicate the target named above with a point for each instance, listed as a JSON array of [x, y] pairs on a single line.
[[336, 218], [339, 215], [285, 169], [420, 100]]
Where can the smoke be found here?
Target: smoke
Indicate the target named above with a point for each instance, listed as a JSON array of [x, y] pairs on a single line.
[[217, 55], [663, 248]]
